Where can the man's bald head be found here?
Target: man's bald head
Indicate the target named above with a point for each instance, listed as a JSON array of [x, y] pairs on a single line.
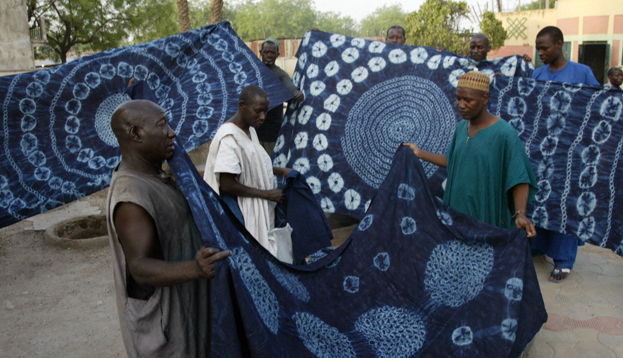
[[132, 113], [479, 47]]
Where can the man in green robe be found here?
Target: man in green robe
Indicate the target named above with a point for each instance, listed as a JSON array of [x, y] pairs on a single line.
[[489, 174]]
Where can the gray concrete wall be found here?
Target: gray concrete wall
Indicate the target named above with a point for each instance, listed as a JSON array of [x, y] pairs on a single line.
[[15, 48]]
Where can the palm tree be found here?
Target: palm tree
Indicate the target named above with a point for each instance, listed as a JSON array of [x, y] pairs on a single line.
[[184, 18], [216, 11]]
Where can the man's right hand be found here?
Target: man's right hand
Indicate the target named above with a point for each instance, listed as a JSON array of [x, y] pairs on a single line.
[[205, 259], [527, 58], [416, 150], [276, 195]]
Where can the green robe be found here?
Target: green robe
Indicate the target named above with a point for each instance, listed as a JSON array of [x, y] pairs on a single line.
[[483, 169]]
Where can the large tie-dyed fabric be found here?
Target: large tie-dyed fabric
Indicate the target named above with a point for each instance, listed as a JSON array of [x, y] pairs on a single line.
[[57, 143], [363, 98], [415, 279]]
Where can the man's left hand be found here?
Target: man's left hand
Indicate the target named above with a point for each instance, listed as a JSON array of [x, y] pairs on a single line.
[[522, 221], [298, 95]]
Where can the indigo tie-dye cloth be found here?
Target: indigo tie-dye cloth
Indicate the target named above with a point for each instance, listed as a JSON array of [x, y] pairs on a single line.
[[57, 142], [415, 279], [364, 98]]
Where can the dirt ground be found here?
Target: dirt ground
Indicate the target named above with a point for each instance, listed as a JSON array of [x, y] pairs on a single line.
[[56, 301]]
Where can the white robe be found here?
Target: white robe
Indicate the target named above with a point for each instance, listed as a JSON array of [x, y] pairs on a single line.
[[232, 151]]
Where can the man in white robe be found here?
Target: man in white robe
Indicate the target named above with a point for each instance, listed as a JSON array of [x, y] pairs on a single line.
[[237, 164]]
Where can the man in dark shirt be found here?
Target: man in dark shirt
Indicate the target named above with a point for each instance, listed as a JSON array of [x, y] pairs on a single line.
[[267, 133]]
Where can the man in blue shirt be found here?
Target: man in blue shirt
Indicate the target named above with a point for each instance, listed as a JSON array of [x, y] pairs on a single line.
[[560, 247]]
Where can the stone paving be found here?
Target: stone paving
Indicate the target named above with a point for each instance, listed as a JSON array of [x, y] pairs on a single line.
[[585, 311]]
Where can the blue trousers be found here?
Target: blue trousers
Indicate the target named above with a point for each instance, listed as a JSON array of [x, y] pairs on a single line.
[[560, 247]]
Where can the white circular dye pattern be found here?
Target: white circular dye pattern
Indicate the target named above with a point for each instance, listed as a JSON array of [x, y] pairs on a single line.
[[301, 139], [518, 124], [408, 225], [296, 78], [454, 77], [591, 155], [513, 289], [433, 62], [462, 336], [586, 203], [601, 133], [357, 42], [279, 143], [304, 114], [319, 49], [516, 107], [367, 205], [280, 161], [448, 61], [331, 68], [350, 55], [104, 113], [321, 339], [588, 177], [27, 106], [320, 142], [366, 222], [314, 184], [323, 122], [344, 87], [316, 88], [545, 190], [92, 79], [332, 103], [397, 56], [336, 183], [419, 55], [72, 125], [509, 329], [456, 272], [34, 89], [337, 40], [306, 38], [555, 124], [445, 217], [377, 64], [509, 67], [351, 284], [352, 199], [405, 109], [312, 71], [327, 205], [540, 217], [359, 74], [560, 102], [302, 61], [325, 163], [382, 261], [376, 47], [611, 108], [586, 229], [548, 145], [392, 332], [525, 86]]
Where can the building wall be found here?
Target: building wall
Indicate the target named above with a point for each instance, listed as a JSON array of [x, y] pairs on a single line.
[[15, 47], [581, 21]]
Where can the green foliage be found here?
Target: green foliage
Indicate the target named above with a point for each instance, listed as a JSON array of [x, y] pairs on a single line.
[[377, 23], [334, 22], [493, 28], [96, 25], [155, 19], [535, 5], [278, 18], [436, 23]]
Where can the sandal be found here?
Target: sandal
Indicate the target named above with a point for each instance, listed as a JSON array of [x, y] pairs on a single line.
[[557, 271]]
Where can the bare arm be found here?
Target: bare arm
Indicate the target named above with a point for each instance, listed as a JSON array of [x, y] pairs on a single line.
[[230, 185], [437, 159], [281, 171], [137, 233], [521, 192]]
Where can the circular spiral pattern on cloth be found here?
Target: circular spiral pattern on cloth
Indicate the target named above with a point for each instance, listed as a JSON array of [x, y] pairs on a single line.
[[102, 118], [403, 109]]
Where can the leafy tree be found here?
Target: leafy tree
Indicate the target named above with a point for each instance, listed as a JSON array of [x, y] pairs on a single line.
[[384, 17], [216, 10], [98, 25], [155, 19], [543, 5], [494, 29], [436, 23], [334, 22], [279, 18]]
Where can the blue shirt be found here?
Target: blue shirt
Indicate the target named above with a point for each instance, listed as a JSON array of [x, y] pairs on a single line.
[[573, 72]]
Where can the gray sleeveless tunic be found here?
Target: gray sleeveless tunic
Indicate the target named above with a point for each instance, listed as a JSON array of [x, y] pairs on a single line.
[[176, 320]]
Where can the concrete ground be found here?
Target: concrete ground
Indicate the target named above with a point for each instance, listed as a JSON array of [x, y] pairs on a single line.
[[59, 301]]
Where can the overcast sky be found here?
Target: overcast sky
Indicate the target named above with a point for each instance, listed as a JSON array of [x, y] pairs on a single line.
[[359, 9]]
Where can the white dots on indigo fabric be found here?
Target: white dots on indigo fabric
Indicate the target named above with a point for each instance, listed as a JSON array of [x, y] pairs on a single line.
[[344, 87], [300, 141], [280, 161], [350, 55], [337, 40], [456, 271], [397, 56], [586, 229], [433, 62], [586, 203], [377, 64], [408, 225], [392, 332], [351, 284], [327, 205], [611, 108], [366, 222], [352, 199], [304, 114], [319, 49], [336, 183], [357, 42], [376, 47], [509, 329], [514, 289], [331, 68], [314, 184], [359, 74], [462, 336], [381, 261], [323, 122], [448, 61], [263, 297], [454, 77], [419, 55], [316, 88], [545, 190], [332, 103], [301, 165], [321, 339], [602, 132], [279, 143], [325, 163], [540, 217], [406, 192], [303, 60], [290, 282], [312, 71], [320, 142]]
